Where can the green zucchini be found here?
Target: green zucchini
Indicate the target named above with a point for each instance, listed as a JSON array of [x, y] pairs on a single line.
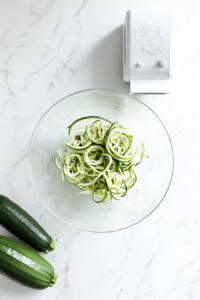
[[84, 118], [24, 265], [101, 151], [21, 224]]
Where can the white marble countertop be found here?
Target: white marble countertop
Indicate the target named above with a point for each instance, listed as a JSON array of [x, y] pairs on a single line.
[[49, 49]]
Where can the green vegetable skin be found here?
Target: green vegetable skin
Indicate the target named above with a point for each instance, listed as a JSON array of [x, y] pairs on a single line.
[[22, 225], [25, 266]]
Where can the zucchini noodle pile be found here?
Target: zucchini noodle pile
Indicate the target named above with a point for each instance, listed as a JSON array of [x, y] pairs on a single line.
[[99, 159]]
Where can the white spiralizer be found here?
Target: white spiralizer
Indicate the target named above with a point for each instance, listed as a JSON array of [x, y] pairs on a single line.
[[146, 51]]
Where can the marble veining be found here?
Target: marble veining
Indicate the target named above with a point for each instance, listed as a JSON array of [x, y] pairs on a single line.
[[50, 49]]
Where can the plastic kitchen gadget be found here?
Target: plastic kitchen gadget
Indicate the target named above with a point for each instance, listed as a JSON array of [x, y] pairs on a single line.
[[146, 51]]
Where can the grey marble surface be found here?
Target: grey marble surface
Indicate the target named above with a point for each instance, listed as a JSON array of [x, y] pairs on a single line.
[[50, 49]]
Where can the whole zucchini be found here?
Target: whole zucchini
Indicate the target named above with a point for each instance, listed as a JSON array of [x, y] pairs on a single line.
[[21, 224], [24, 265]]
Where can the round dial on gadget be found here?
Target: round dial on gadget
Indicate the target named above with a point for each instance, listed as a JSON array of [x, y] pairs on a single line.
[[151, 38]]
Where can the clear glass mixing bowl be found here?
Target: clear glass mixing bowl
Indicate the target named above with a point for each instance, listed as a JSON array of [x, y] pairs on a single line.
[[154, 174]]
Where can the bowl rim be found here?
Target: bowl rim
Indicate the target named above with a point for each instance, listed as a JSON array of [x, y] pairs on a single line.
[[119, 93]]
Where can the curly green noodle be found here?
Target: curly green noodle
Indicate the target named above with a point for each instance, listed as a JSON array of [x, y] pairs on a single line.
[[99, 158]]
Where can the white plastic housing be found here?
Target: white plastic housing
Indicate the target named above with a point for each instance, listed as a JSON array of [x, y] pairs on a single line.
[[146, 50]]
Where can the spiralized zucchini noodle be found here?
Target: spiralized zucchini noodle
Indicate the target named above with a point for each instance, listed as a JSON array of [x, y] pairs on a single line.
[[99, 158]]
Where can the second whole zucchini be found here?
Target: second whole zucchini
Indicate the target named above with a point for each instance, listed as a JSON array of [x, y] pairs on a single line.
[[21, 224], [24, 265]]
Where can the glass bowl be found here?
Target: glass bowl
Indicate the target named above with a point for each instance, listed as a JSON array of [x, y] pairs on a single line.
[[154, 174]]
